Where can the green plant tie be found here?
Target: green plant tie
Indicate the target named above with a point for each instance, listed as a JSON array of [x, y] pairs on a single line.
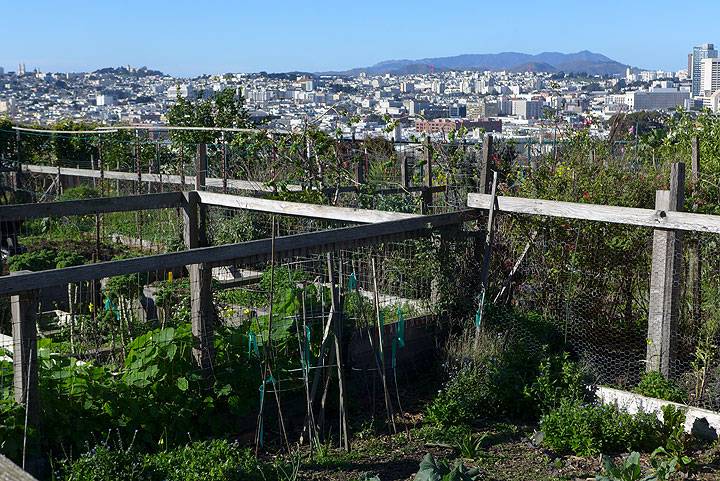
[[352, 282], [399, 339], [400, 327], [252, 344], [109, 306], [306, 355], [478, 318]]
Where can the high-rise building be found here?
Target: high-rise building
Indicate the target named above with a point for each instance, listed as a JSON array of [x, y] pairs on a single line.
[[527, 109], [407, 87], [8, 107], [483, 108], [2, 71], [710, 76], [21, 69], [706, 50], [103, 100]]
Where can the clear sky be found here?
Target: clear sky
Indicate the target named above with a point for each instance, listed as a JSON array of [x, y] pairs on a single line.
[[184, 37]]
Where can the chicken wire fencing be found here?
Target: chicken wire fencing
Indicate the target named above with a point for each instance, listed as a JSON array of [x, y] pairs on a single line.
[[101, 341], [586, 286]]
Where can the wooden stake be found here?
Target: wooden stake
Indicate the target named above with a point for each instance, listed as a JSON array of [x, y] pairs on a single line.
[[484, 273]]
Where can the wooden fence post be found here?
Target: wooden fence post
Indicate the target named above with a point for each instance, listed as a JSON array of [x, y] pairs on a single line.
[[202, 312], [694, 279], [665, 278], [427, 196], [360, 173], [405, 173], [484, 175], [23, 307], [201, 167]]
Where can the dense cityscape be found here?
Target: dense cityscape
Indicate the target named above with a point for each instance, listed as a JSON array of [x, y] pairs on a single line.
[[359, 241], [515, 104]]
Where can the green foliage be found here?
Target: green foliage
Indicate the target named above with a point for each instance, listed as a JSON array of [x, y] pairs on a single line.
[[439, 470], [81, 192], [588, 429], [224, 109], [671, 457], [12, 423], [559, 379], [43, 259], [654, 384], [216, 460], [158, 376], [471, 446], [7, 139], [492, 389], [629, 470]]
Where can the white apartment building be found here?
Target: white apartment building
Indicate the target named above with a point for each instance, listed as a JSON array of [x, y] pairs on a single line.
[[656, 98], [710, 76], [102, 100], [185, 91]]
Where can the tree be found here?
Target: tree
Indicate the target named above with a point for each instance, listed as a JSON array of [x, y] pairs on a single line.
[[225, 109]]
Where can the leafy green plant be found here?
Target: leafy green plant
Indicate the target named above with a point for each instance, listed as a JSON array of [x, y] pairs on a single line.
[[671, 456], [588, 429], [471, 446], [629, 470], [559, 379], [199, 461], [654, 384], [494, 387], [439, 470]]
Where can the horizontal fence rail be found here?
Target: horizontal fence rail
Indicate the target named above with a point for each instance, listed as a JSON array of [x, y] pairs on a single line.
[[214, 182], [299, 209], [229, 254], [97, 205], [658, 219]]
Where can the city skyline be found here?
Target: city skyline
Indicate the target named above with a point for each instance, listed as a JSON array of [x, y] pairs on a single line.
[[183, 39]]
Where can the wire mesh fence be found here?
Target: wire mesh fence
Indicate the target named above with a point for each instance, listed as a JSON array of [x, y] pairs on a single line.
[[586, 286]]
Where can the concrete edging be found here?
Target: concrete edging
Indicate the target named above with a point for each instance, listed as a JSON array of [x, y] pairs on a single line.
[[702, 423]]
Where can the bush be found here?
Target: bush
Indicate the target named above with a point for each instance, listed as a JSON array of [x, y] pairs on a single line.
[[560, 379], [200, 461], [496, 377], [587, 429], [654, 384], [495, 388]]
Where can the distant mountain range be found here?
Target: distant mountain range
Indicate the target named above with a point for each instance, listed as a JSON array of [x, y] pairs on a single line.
[[552, 62]]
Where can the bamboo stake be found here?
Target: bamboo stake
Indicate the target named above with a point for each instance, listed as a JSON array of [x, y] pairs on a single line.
[[337, 321], [388, 403], [310, 418]]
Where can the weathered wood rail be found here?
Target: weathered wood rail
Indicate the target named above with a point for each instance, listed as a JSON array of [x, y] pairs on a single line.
[[189, 180]]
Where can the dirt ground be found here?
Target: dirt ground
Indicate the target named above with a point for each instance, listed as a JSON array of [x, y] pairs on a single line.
[[507, 453]]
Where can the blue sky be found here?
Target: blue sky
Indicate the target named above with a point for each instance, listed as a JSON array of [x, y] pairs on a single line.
[[189, 38]]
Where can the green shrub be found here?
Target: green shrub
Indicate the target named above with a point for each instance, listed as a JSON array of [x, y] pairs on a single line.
[[654, 384], [587, 429], [560, 379], [44, 259], [158, 375], [12, 428], [494, 388], [200, 461], [38, 260]]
